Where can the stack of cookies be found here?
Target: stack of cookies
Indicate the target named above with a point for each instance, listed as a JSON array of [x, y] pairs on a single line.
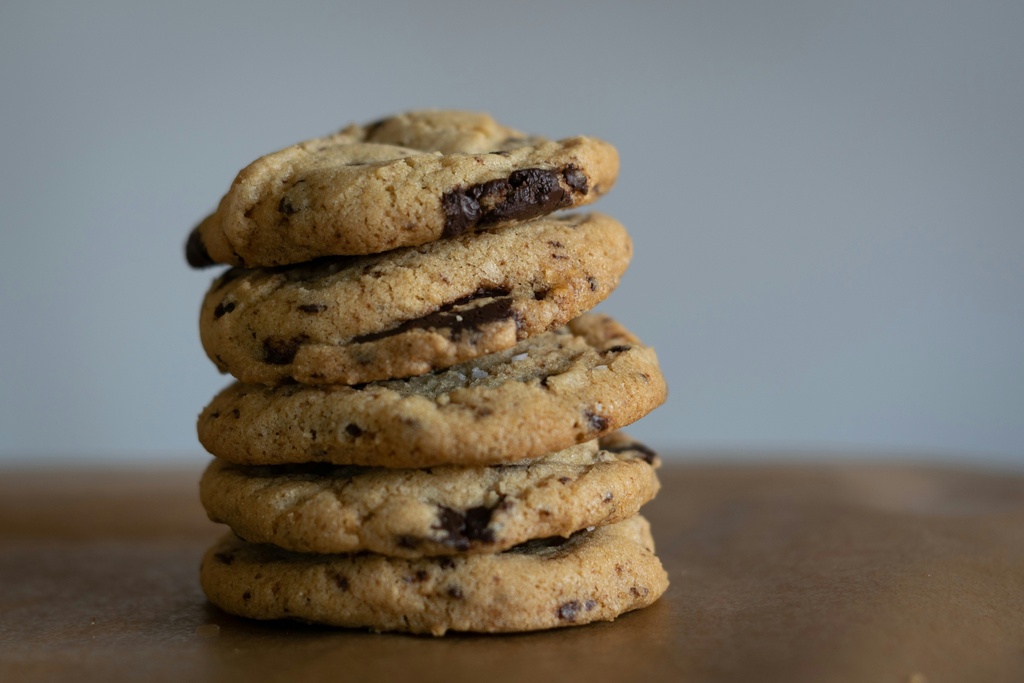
[[423, 434]]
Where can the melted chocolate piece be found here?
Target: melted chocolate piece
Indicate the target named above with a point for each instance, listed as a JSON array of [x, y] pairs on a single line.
[[195, 251], [463, 528], [525, 194], [223, 308], [278, 351], [646, 453], [313, 308], [460, 321]]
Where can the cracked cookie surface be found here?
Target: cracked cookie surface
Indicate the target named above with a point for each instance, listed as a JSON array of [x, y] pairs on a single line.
[[400, 181], [442, 510], [351, 320], [591, 576], [545, 394]]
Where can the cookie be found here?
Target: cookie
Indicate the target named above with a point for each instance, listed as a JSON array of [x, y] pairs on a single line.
[[351, 320], [401, 181], [591, 576], [436, 511], [547, 393]]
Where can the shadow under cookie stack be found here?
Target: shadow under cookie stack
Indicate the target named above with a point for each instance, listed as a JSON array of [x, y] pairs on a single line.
[[424, 434]]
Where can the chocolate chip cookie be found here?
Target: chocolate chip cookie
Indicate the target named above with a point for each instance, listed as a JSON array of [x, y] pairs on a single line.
[[442, 510], [545, 394], [351, 320], [401, 181], [590, 576]]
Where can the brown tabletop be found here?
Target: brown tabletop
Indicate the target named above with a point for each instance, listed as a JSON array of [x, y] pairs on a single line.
[[800, 572]]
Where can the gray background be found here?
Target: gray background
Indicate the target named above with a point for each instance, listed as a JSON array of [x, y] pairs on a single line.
[[825, 198]]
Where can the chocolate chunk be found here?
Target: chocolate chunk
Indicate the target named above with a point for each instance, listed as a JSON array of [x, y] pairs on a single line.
[[313, 308], [458, 321], [596, 422], [569, 610], [646, 453], [592, 281], [223, 308], [195, 251], [286, 207], [455, 592], [619, 348], [408, 542], [461, 212], [589, 605], [525, 194], [278, 351], [462, 528], [575, 178], [247, 595], [341, 582], [353, 430]]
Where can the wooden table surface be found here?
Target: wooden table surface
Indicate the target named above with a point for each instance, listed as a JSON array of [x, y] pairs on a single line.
[[785, 572]]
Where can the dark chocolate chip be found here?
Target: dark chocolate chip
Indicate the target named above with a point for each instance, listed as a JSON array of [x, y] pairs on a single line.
[[461, 212], [408, 542], [247, 595], [540, 294], [618, 348], [341, 582], [564, 480], [224, 558], [313, 308], [446, 563], [420, 576], [594, 421], [223, 308], [195, 251], [575, 178], [463, 528], [277, 351], [646, 453], [455, 592], [353, 430], [593, 283], [569, 610], [525, 194], [458, 321], [286, 207], [589, 605]]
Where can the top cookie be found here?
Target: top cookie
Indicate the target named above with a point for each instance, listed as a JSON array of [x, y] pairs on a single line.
[[401, 181]]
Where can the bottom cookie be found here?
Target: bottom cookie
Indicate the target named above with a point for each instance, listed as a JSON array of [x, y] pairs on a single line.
[[591, 576]]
